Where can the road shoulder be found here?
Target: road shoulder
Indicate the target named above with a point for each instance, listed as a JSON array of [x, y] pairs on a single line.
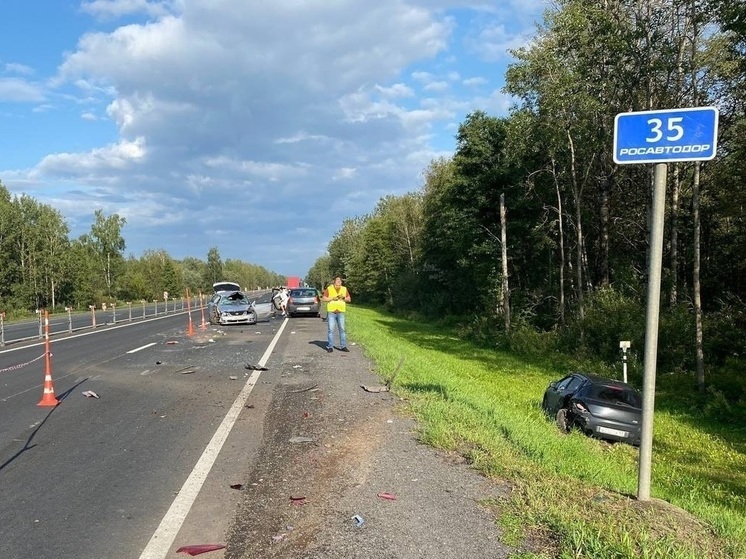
[[341, 474]]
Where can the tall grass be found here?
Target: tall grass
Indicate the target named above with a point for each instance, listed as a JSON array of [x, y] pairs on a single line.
[[579, 492]]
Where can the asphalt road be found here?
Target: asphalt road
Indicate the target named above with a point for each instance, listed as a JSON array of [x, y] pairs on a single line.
[[188, 447], [102, 477]]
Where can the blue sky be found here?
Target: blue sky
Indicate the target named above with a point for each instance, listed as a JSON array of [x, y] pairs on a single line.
[[253, 127]]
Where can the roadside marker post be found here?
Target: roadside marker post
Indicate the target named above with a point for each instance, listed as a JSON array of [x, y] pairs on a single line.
[[48, 399], [190, 328], [659, 137], [203, 325]]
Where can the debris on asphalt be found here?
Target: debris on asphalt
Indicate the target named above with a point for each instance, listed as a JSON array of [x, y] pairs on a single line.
[[375, 389], [233, 377], [308, 389], [199, 549], [90, 394], [172, 342], [301, 440], [236, 486], [297, 500], [253, 367], [358, 520], [387, 496], [278, 537]]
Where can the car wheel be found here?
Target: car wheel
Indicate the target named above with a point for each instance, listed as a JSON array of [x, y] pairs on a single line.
[[563, 421]]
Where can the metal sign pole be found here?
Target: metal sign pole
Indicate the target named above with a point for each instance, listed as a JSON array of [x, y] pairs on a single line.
[[651, 330]]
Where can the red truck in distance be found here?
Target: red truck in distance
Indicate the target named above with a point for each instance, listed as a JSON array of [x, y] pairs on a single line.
[[292, 281]]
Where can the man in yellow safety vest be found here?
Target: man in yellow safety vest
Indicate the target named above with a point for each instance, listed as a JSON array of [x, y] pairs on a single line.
[[336, 298]]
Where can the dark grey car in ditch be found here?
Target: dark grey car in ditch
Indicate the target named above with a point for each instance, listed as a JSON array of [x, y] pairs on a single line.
[[600, 407]]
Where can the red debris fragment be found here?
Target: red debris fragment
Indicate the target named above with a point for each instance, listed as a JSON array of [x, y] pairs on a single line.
[[388, 496], [199, 549], [297, 500]]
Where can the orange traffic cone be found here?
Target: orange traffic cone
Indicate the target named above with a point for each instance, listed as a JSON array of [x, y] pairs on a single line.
[[48, 398]]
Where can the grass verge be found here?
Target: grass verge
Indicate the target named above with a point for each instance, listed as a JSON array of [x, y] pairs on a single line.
[[571, 496]]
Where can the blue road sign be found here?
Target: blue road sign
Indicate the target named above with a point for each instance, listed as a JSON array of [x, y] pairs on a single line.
[[666, 136]]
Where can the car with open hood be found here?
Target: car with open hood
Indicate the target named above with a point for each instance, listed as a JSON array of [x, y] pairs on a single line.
[[231, 307]]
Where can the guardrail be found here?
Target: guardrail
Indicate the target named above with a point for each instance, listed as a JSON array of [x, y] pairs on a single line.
[[105, 314]]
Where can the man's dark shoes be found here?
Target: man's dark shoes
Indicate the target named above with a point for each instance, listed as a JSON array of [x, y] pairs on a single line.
[[344, 349], [329, 349]]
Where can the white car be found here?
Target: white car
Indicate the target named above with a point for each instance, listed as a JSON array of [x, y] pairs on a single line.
[[231, 307]]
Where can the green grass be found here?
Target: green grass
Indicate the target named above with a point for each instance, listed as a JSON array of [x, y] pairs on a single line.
[[571, 496]]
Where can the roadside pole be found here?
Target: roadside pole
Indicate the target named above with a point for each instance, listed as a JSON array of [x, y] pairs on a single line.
[[652, 315], [659, 137]]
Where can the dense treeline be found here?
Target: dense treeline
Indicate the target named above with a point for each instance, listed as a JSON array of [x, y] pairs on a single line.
[[571, 272], [41, 267]]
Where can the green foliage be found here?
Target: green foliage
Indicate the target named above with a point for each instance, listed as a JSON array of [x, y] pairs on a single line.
[[320, 274], [214, 269], [609, 318]]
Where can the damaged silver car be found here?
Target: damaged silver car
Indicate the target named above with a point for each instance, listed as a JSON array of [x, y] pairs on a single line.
[[231, 307]]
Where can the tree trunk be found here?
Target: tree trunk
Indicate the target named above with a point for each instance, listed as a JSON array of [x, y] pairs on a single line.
[[576, 190], [505, 293], [673, 297], [696, 283], [561, 231], [604, 278]]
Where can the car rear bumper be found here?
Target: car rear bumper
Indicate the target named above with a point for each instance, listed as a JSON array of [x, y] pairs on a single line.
[[610, 430], [304, 309]]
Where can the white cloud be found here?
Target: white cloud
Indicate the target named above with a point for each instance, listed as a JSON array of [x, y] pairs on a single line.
[[13, 68], [110, 9], [260, 102], [114, 157], [437, 86], [19, 90], [396, 90], [475, 82]]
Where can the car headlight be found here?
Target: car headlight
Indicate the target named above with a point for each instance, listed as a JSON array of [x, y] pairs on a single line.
[[580, 407]]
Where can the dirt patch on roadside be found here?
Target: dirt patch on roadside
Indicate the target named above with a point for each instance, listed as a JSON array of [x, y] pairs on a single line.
[[290, 490]]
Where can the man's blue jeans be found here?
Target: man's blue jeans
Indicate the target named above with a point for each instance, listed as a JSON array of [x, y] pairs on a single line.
[[336, 319]]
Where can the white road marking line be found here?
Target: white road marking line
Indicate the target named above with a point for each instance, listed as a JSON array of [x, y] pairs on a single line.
[[146, 346], [164, 536]]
